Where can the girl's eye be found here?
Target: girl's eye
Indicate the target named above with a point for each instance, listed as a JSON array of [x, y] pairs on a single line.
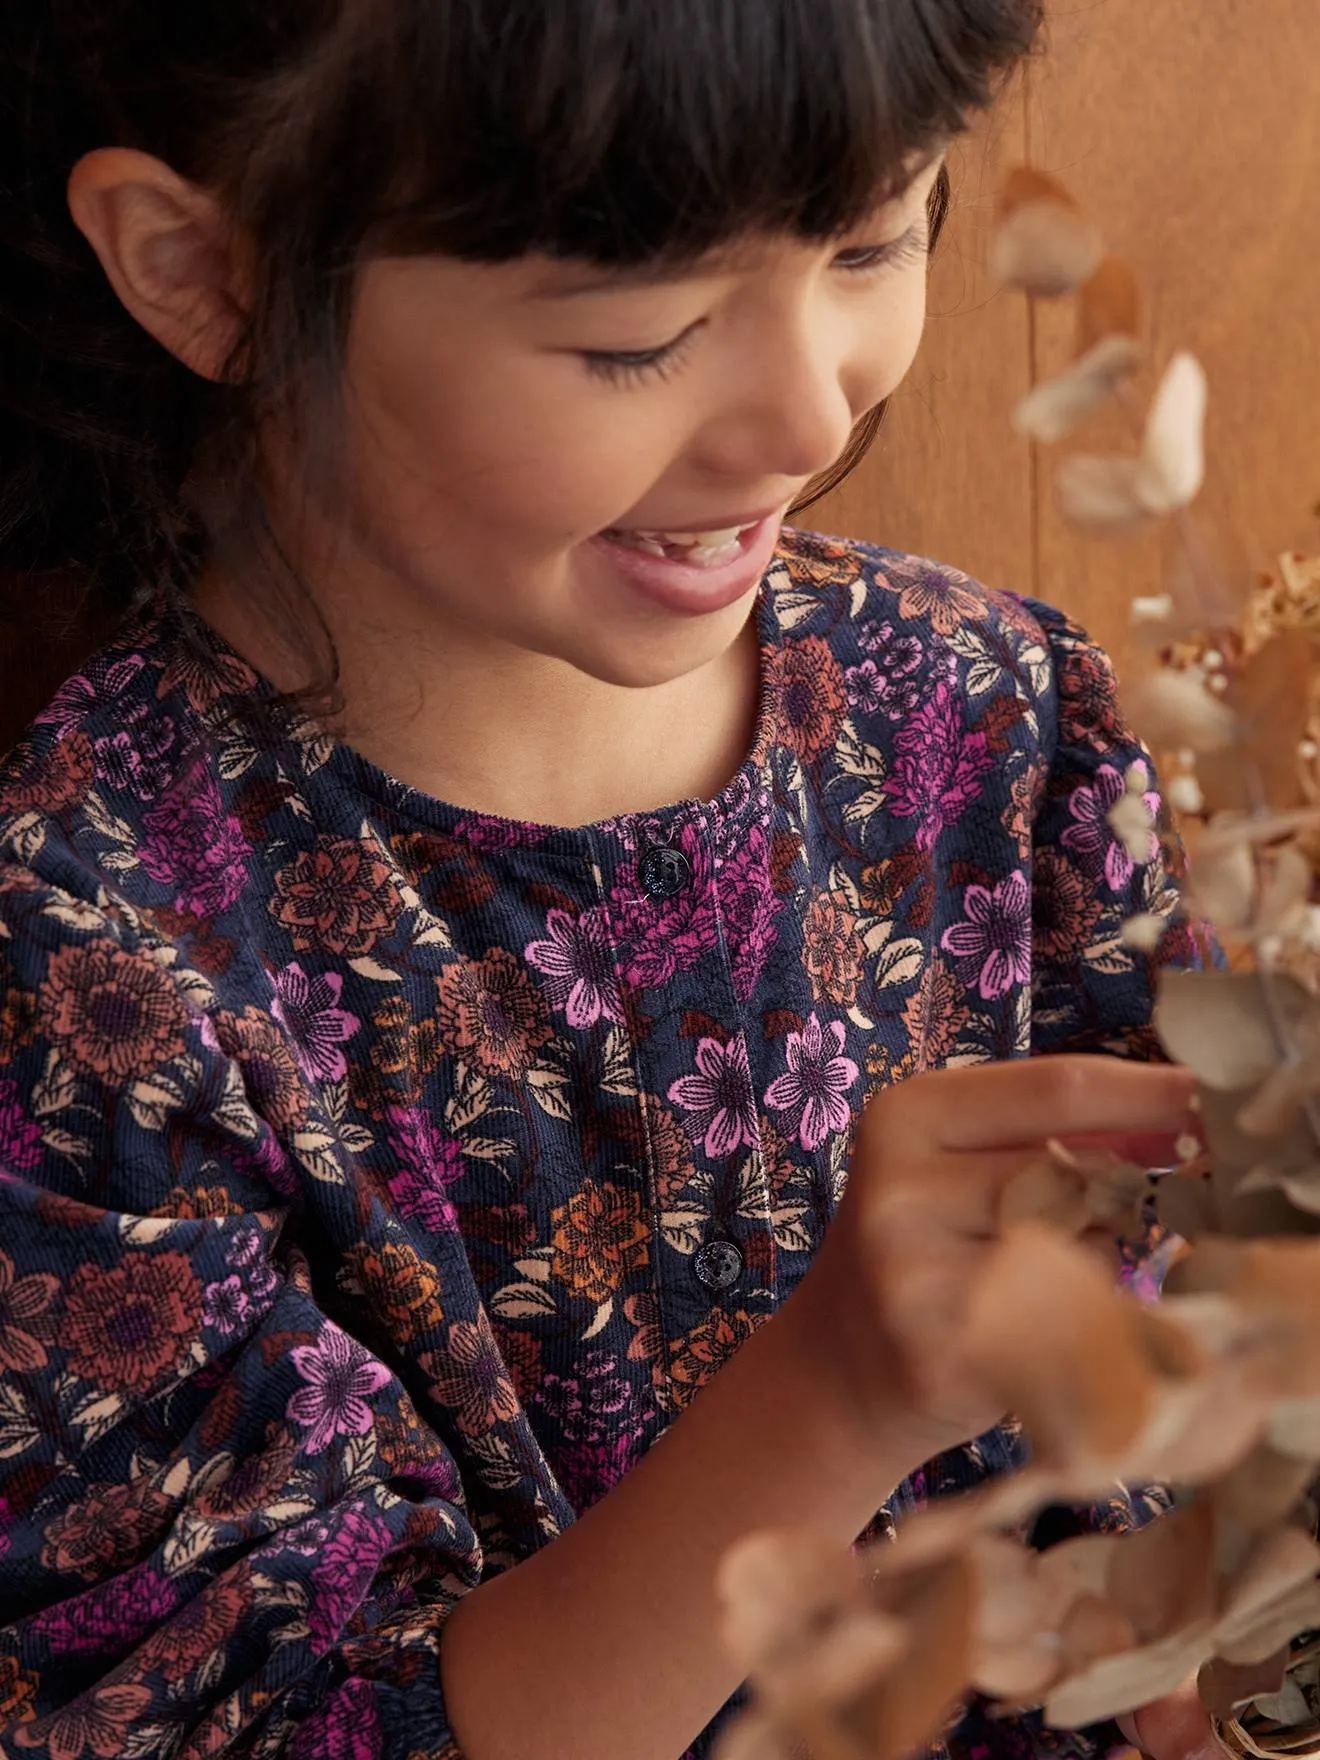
[[912, 247], [632, 366]]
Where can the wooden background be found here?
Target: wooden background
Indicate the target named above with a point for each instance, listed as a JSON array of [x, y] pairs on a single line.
[[1191, 131]]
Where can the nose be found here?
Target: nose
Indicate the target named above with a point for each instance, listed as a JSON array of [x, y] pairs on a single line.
[[791, 418]]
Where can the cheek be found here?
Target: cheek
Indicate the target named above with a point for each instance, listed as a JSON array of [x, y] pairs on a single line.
[[894, 336], [447, 438]]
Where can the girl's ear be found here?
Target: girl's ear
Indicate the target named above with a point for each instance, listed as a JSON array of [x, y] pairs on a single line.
[[168, 252]]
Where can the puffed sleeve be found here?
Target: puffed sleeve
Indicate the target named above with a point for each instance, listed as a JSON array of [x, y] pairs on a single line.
[[1092, 990], [223, 1526]]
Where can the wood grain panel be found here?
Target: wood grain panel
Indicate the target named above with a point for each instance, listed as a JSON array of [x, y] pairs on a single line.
[[947, 478], [1191, 129]]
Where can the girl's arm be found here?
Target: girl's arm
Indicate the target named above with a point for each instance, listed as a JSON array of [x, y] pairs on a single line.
[[604, 1646]]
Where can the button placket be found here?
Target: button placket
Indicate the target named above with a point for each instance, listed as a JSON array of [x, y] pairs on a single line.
[[664, 871]]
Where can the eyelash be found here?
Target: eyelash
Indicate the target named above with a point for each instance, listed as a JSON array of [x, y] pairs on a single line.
[[621, 368]]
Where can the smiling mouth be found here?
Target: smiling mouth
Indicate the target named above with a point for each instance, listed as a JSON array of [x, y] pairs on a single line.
[[697, 549]]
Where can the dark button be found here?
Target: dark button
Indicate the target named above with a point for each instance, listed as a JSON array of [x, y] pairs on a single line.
[[664, 871], [718, 1264]]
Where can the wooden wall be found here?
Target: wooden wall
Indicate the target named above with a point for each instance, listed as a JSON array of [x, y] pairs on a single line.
[[1191, 130]]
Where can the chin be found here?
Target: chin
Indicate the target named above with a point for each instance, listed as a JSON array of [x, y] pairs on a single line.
[[656, 659]]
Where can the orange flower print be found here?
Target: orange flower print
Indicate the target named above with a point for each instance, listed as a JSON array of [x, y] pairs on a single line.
[[670, 1151], [271, 1076], [935, 1015], [469, 1376], [804, 687], [491, 1014], [26, 1323], [832, 949], [199, 1628], [131, 1324], [599, 1236], [112, 1015], [99, 1723], [53, 780], [18, 1691], [706, 1349], [940, 595], [109, 1528], [339, 898], [402, 1289]]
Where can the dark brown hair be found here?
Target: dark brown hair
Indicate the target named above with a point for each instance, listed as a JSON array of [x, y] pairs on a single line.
[[608, 130]]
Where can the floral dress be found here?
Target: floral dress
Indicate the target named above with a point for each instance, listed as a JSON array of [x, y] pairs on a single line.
[[378, 1180]]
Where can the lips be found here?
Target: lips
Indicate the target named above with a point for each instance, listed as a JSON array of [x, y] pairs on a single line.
[[692, 573]]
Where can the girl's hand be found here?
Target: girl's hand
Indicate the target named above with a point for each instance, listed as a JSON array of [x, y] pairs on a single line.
[[885, 1301], [1176, 1727]]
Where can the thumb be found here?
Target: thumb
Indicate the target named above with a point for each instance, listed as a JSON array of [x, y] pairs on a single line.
[[1176, 1727]]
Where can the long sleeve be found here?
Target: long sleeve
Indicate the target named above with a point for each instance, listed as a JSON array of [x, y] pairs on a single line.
[[1092, 991], [221, 1519]]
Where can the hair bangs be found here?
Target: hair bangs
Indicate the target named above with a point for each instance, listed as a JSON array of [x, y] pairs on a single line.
[[620, 131]]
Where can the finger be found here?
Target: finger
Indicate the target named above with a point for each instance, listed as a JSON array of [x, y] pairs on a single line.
[[992, 1106], [1176, 1727], [961, 1193]]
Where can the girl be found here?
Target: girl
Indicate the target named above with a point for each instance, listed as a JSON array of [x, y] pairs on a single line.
[[451, 932]]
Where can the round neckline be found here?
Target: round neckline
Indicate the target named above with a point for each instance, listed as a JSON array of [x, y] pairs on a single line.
[[427, 812]]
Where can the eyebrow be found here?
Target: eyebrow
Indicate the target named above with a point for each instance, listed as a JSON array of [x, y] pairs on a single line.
[[667, 273]]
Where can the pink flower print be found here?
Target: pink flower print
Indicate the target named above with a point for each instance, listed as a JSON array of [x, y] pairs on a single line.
[[938, 767], [20, 1137], [196, 847], [346, 1727], [719, 1097], [578, 964], [486, 833], [338, 1378], [747, 906], [992, 947], [812, 1092], [110, 1619], [1089, 836], [81, 694], [225, 1305], [343, 1574], [666, 935], [307, 1007], [430, 1163]]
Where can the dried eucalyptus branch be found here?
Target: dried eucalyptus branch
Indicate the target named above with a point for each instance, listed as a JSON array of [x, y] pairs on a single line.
[[1217, 1391]]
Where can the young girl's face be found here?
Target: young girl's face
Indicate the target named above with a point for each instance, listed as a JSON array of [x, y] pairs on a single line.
[[533, 448]]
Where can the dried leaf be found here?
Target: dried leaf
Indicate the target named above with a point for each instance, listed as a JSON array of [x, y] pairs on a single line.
[[1289, 1704], [1130, 1679], [1225, 1685], [911, 1706], [1145, 931], [1220, 1024], [1265, 1487], [1221, 887], [1271, 696], [1059, 1346], [1263, 1599], [1133, 824], [1294, 1431], [1101, 494], [1173, 448], [1109, 306], [1042, 244], [1056, 407], [1046, 1190], [1176, 711], [1162, 1579]]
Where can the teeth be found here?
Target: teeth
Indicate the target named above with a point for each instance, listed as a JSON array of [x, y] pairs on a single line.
[[696, 540]]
